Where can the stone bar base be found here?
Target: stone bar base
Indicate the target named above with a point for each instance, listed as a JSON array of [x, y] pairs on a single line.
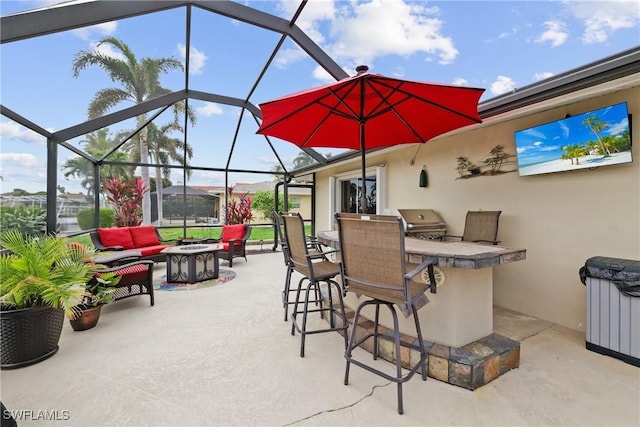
[[470, 366]]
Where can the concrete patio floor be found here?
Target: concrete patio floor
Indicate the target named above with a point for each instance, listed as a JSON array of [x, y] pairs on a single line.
[[223, 356]]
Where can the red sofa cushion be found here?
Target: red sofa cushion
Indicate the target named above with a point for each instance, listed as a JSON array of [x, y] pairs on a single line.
[[116, 236], [152, 250], [144, 235], [235, 231]]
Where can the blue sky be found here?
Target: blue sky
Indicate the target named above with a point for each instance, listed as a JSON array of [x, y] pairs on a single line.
[[544, 142], [499, 46]]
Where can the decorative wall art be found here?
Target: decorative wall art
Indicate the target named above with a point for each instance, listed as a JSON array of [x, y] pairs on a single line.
[[493, 164]]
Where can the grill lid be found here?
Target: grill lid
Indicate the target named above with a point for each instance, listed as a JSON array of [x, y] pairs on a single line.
[[421, 218]]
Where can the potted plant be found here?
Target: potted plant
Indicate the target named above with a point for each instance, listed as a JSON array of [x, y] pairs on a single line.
[[42, 279], [98, 292]]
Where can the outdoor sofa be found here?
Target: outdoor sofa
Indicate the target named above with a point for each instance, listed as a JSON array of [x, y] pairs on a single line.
[[144, 238]]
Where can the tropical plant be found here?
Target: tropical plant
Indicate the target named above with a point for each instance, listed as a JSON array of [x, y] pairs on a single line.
[[100, 290], [264, 203], [164, 149], [97, 144], [238, 208], [302, 159], [126, 198], [45, 270], [30, 221], [140, 81]]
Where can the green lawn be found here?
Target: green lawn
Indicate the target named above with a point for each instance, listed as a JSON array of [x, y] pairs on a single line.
[[257, 233]]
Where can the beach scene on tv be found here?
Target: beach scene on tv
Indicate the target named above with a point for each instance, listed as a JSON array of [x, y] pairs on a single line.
[[589, 140]]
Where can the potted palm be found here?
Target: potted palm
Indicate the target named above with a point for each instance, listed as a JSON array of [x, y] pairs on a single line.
[[42, 279]]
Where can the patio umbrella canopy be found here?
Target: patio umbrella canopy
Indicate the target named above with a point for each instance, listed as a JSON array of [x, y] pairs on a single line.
[[369, 111]]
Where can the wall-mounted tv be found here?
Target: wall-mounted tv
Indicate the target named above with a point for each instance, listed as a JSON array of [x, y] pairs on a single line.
[[593, 139]]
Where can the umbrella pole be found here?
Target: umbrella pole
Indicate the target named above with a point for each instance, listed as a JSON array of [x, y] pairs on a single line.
[[363, 200]]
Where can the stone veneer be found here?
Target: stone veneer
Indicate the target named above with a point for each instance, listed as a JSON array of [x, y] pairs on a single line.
[[470, 366]]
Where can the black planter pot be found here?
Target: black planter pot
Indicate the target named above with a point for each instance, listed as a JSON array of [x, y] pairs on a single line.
[[87, 319], [29, 335]]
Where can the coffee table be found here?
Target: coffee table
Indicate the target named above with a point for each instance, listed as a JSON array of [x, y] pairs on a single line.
[[192, 263]]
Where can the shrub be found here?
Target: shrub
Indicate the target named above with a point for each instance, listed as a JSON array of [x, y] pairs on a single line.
[[30, 221], [85, 218]]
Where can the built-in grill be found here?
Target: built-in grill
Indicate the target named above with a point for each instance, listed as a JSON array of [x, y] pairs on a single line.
[[423, 223]]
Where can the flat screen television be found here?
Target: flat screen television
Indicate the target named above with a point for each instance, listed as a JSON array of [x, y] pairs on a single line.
[[593, 139]]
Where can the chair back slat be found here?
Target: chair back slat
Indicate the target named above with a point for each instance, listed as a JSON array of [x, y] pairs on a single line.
[[481, 226], [373, 255]]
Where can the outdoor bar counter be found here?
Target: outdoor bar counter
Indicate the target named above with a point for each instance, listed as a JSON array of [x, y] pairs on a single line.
[[461, 311]]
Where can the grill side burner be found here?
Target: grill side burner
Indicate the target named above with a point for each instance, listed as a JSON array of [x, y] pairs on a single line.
[[423, 223]]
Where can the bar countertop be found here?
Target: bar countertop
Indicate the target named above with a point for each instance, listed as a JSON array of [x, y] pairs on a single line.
[[448, 253]]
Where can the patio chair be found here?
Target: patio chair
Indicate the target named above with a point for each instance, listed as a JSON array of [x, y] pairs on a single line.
[[234, 241], [136, 279], [314, 247], [480, 227], [315, 269], [373, 265]]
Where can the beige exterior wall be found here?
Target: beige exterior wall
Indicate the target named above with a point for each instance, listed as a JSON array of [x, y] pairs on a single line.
[[561, 219]]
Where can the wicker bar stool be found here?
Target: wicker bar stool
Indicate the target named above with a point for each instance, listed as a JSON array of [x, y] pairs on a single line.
[[373, 265], [315, 269]]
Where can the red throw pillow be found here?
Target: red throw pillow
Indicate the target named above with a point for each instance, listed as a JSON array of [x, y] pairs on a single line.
[[235, 231], [117, 236], [144, 235]]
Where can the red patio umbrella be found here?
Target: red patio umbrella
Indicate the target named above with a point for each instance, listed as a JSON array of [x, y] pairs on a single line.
[[369, 111]]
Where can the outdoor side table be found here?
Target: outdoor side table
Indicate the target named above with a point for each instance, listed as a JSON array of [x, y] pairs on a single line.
[[192, 263]]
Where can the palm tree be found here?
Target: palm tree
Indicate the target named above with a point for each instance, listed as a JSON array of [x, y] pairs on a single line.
[[164, 148], [302, 159], [139, 80], [96, 144], [597, 126]]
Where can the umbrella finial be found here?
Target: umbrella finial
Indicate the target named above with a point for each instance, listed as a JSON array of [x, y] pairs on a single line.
[[361, 69]]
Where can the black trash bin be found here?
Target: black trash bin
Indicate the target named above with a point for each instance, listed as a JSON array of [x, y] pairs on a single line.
[[613, 307]]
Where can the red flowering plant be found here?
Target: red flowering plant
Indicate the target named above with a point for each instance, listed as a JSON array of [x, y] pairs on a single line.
[[238, 208], [126, 198]]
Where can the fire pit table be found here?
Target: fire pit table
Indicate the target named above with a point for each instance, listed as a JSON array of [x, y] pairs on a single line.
[[192, 263]]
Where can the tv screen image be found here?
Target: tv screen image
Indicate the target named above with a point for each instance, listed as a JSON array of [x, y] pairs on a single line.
[[593, 139]]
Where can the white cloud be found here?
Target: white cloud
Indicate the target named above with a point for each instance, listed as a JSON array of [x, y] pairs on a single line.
[[542, 76], [24, 160], [361, 32], [96, 31], [321, 74], [197, 59], [460, 81], [601, 19], [502, 85], [11, 130], [288, 56], [210, 109], [390, 27], [556, 33]]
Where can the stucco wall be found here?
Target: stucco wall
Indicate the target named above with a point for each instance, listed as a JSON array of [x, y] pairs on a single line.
[[561, 219]]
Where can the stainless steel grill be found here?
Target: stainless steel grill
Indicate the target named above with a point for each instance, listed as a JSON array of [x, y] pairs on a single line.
[[423, 223]]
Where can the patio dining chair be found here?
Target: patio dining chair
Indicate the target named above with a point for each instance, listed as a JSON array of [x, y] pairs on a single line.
[[480, 227], [314, 248], [373, 265], [315, 269]]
